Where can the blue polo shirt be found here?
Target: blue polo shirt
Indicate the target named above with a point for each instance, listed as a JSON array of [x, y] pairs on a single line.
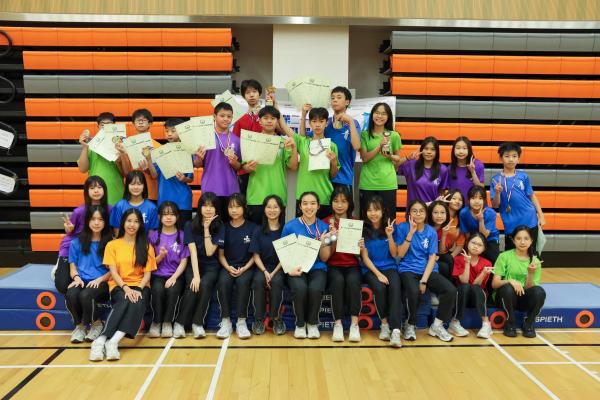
[[147, 208], [174, 190], [346, 153], [89, 266], [522, 210], [470, 224], [379, 254], [422, 245]]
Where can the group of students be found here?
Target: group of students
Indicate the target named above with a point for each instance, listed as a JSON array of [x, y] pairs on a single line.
[[120, 245]]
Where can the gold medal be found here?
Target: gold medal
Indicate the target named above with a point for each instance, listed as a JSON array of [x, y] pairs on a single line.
[[146, 152], [229, 151], [508, 209], [337, 124], [117, 139]]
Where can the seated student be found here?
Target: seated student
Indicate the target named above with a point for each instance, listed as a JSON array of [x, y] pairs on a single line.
[[438, 216], [307, 287], [112, 172], [203, 236], [220, 165], [417, 246], [517, 276], [318, 180], [266, 180], [477, 217], [380, 269], [380, 153], [176, 188], [89, 276], [130, 259], [135, 196], [465, 171], [95, 193], [171, 259], [237, 262], [452, 239], [471, 273], [271, 275], [513, 196]]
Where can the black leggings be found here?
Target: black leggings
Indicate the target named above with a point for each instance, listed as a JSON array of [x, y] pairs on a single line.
[[224, 288], [307, 294], [82, 303], [165, 300], [388, 197], [345, 286], [275, 295], [446, 265], [194, 305], [445, 291], [388, 298], [62, 276], [531, 302], [470, 296], [126, 316]]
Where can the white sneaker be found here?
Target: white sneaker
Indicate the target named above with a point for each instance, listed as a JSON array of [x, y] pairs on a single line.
[[97, 351], [241, 329], [385, 332], [409, 332], [167, 330], [486, 330], [78, 335], [112, 351], [354, 335], [338, 333], [94, 332], [434, 300], [154, 331], [178, 331], [395, 339], [300, 332], [225, 329], [456, 329], [313, 331], [198, 331], [438, 330]]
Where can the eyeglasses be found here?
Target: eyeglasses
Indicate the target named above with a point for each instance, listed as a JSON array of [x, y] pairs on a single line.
[[141, 121], [417, 212], [380, 114]]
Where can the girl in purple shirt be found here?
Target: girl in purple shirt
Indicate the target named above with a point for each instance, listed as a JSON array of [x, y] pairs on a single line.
[[465, 170]]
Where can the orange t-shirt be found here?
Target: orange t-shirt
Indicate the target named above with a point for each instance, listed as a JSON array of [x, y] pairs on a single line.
[[121, 254], [454, 236], [151, 183]]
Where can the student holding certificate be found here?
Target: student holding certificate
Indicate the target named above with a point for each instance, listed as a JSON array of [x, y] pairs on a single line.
[[307, 287]]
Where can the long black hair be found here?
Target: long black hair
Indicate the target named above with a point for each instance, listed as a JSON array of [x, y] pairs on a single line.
[[207, 199], [165, 207], [93, 181], [389, 124], [141, 240], [131, 177], [420, 164], [369, 231], [430, 212], [531, 251], [454, 160], [85, 237], [265, 221]]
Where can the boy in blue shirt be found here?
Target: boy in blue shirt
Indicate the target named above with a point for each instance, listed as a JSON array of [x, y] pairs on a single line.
[[513, 196]]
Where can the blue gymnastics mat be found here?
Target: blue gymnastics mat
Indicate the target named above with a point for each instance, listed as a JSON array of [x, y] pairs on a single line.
[[29, 287]]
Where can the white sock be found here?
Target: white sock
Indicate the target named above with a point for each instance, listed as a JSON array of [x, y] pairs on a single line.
[[101, 339], [116, 338], [241, 320], [437, 322]]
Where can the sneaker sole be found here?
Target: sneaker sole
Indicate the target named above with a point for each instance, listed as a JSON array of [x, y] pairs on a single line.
[[113, 358], [396, 345], [433, 334], [453, 332]]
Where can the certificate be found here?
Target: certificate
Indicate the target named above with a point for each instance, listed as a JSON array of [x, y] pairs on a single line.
[[234, 102], [105, 140], [350, 231], [309, 90], [172, 158], [198, 131], [137, 147], [286, 251], [259, 147], [307, 251], [317, 154]]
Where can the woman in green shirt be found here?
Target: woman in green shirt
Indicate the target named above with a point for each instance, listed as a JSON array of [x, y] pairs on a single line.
[[380, 153], [517, 275]]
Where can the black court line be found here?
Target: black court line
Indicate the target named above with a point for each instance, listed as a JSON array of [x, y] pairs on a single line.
[[32, 375]]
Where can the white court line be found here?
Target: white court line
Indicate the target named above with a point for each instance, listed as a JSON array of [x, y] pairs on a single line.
[[154, 370], [35, 334], [558, 363], [568, 357], [109, 365], [524, 370], [215, 378], [566, 331]]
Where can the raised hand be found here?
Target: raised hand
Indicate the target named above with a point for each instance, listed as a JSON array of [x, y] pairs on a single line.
[[207, 221], [412, 224], [180, 177], [497, 187], [471, 165], [479, 215], [467, 257], [306, 108], [67, 224], [84, 138], [389, 229], [414, 155], [201, 152]]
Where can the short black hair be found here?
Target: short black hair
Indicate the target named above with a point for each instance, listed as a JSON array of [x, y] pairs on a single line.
[[269, 110], [172, 122], [105, 115], [142, 112], [318, 113], [251, 84], [223, 106], [344, 90], [509, 146], [475, 190]]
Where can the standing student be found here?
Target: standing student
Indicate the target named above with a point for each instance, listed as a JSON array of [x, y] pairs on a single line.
[[176, 189], [380, 269], [264, 179], [135, 196], [203, 236], [237, 262], [171, 259], [318, 181], [417, 247], [438, 216], [513, 196], [471, 272], [426, 177], [307, 287], [95, 193], [221, 164], [112, 172], [130, 259], [477, 217], [271, 275], [517, 276], [465, 170], [380, 153], [343, 272], [89, 276]]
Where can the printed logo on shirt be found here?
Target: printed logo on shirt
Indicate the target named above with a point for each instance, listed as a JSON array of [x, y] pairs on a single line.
[[246, 239], [521, 185], [346, 134], [175, 247], [425, 243], [145, 218], [436, 181]]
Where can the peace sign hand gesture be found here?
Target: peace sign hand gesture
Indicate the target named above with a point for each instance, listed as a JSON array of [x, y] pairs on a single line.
[[414, 155], [497, 187], [68, 225], [467, 257], [412, 224], [471, 165], [389, 229]]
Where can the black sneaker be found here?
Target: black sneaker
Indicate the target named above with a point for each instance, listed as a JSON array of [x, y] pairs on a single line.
[[510, 331], [528, 329], [278, 327], [258, 327]]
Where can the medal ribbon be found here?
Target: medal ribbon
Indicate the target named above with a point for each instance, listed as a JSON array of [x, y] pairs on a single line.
[[509, 193], [309, 231], [221, 143]]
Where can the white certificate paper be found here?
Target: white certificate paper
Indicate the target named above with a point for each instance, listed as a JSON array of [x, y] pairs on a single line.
[[307, 251], [309, 90], [136, 146], [349, 233], [234, 101], [318, 147], [172, 158], [198, 131], [259, 147], [285, 249], [105, 140]]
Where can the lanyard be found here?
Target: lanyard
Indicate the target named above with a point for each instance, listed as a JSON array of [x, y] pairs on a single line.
[[223, 148], [509, 193], [309, 231], [323, 148]]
